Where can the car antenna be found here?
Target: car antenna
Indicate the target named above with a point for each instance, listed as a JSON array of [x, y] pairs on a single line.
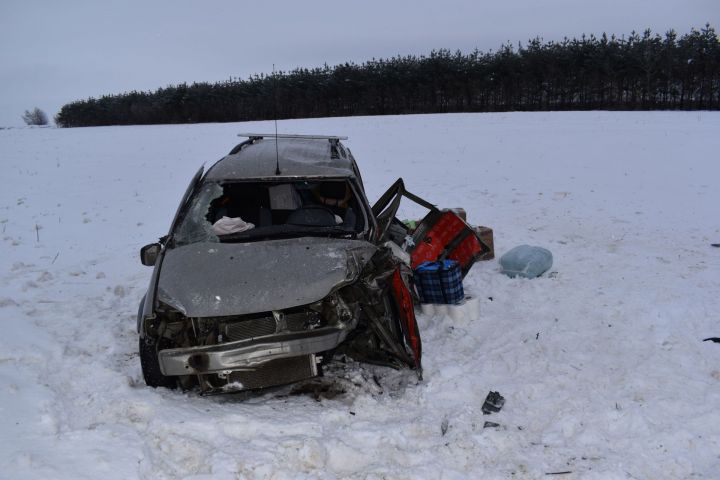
[[277, 154]]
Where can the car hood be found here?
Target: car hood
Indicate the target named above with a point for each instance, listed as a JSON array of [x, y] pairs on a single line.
[[219, 279]]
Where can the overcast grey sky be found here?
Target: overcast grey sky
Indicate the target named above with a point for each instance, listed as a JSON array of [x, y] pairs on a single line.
[[53, 52]]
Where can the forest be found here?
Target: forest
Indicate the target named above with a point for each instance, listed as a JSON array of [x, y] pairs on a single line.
[[637, 72]]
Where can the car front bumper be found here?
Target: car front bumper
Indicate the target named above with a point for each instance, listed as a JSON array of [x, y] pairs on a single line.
[[250, 353]]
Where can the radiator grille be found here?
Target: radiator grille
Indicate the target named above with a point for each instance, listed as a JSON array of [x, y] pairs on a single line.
[[254, 327], [277, 372], [297, 321]]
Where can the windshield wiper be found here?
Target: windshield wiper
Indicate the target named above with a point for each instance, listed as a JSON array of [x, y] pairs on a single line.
[[330, 231], [287, 231]]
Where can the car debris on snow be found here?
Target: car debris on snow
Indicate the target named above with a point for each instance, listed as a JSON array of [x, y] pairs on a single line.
[[493, 403]]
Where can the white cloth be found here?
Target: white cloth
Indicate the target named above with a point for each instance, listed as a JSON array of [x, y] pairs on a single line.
[[228, 225]]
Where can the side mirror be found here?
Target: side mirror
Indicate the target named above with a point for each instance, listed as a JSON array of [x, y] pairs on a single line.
[[149, 254]]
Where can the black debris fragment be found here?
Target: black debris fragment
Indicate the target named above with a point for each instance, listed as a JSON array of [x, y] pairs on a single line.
[[444, 426], [491, 425], [559, 473], [716, 245], [712, 339], [493, 403]]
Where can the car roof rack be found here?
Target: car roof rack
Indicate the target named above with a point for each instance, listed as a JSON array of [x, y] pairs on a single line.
[[331, 138], [335, 146]]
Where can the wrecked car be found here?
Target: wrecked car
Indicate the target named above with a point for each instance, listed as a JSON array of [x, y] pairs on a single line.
[[275, 262]]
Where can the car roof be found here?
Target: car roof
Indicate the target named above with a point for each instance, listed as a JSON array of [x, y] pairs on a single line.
[[297, 157]]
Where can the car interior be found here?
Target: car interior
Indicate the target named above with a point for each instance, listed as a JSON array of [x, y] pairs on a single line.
[[303, 203]]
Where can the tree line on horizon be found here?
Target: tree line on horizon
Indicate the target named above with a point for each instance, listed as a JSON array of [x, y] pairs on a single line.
[[638, 72]]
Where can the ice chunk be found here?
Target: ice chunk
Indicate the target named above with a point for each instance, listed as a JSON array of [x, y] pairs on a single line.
[[526, 261]]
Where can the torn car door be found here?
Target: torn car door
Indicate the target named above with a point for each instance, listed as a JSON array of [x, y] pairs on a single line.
[[442, 234]]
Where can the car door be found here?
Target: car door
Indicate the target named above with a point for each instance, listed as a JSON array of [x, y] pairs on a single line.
[[384, 212], [442, 234]]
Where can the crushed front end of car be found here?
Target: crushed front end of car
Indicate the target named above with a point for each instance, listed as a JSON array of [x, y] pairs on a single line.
[[300, 301]]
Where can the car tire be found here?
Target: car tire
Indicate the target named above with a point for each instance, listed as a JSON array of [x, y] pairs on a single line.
[[140, 313], [150, 364]]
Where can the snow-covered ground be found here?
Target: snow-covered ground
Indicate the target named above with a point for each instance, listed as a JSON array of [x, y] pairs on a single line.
[[601, 362]]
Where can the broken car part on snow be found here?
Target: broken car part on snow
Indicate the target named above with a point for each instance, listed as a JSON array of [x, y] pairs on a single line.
[[275, 261], [493, 403]]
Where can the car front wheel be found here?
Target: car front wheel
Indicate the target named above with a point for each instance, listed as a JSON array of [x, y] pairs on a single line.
[[149, 362]]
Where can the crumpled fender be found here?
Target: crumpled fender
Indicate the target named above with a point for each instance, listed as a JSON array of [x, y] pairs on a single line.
[[406, 311]]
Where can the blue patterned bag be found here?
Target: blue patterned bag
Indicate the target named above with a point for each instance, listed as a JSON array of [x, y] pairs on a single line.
[[440, 282]]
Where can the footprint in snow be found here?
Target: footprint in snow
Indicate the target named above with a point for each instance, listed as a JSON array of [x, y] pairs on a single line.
[[8, 302], [45, 277], [20, 266]]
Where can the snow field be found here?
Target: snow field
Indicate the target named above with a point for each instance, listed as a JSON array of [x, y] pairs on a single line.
[[601, 362]]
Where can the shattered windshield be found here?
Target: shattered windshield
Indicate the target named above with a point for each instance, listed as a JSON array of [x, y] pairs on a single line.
[[248, 211], [194, 228]]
